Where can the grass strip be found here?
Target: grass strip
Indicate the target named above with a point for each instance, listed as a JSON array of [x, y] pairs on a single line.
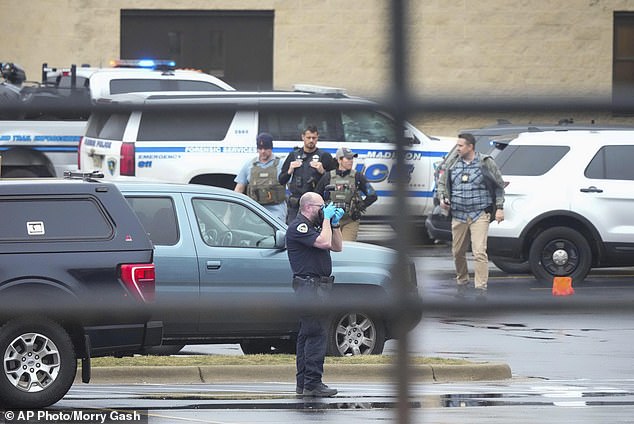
[[277, 359]]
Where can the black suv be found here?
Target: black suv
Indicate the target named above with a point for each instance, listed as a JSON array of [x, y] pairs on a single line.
[[76, 269]]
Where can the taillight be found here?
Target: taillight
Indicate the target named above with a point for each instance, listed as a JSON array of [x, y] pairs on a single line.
[[127, 159], [81, 141], [140, 280]]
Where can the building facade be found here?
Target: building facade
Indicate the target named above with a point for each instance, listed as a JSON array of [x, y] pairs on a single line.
[[580, 49]]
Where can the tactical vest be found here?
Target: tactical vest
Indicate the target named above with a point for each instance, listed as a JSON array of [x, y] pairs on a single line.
[[305, 178], [263, 185], [345, 194]]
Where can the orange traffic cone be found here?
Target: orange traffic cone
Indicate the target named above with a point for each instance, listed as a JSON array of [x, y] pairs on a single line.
[[562, 286]]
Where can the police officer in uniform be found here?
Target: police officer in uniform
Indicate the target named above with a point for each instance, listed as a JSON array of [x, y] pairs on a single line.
[[349, 190], [303, 168], [258, 177], [310, 237]]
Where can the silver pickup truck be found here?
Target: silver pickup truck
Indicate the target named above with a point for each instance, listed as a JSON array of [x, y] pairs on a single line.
[[223, 275]]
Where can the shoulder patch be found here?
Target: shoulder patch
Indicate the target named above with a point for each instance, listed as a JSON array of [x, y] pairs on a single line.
[[302, 228]]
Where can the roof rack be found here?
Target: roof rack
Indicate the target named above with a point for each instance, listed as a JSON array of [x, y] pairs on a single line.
[[320, 89]]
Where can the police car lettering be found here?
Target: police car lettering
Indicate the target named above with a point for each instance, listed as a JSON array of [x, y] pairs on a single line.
[[240, 150], [58, 138], [163, 156], [21, 138], [203, 149], [379, 172]]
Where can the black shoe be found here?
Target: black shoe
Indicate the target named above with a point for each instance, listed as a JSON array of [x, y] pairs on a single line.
[[320, 391], [299, 390]]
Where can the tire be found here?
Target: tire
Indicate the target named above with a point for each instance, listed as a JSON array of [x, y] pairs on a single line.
[[511, 267], [560, 252], [39, 363], [268, 346], [164, 350], [355, 333]]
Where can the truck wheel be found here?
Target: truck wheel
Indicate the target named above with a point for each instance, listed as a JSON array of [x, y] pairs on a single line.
[[355, 333], [39, 363], [560, 252]]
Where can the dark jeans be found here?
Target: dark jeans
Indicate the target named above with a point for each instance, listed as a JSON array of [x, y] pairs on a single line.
[[311, 343]]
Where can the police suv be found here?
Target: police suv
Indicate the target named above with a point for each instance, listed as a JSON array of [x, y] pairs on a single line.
[[205, 138], [41, 123]]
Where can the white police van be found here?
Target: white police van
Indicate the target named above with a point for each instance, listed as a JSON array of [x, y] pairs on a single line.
[[41, 123], [205, 138]]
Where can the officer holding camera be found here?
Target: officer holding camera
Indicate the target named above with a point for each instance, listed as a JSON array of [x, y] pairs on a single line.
[[349, 190], [303, 168], [310, 237]]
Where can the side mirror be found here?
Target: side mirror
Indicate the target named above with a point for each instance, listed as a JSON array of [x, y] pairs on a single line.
[[280, 239]]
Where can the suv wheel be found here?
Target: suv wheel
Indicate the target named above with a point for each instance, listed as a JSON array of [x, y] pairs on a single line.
[[355, 334], [560, 251], [39, 363]]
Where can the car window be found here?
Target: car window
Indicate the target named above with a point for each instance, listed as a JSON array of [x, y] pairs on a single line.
[[368, 126], [158, 217], [47, 219], [529, 160], [109, 126], [135, 85], [185, 125], [612, 163], [228, 224], [288, 124], [67, 82]]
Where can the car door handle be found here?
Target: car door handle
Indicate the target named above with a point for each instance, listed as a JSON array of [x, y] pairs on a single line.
[[213, 264], [591, 189]]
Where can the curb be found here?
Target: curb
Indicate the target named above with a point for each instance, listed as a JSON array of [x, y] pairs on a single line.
[[286, 373]]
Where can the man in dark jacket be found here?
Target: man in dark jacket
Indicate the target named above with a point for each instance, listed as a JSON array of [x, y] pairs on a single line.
[[303, 168]]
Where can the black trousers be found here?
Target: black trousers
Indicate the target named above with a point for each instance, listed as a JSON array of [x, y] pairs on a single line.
[[312, 338]]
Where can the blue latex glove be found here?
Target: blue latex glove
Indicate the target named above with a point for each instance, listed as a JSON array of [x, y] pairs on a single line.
[[338, 214], [329, 211]]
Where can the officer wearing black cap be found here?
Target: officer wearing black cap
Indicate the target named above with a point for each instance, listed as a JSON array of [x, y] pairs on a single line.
[[303, 168], [258, 178], [309, 239]]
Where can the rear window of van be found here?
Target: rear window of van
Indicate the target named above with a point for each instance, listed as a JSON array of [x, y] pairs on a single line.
[[186, 125]]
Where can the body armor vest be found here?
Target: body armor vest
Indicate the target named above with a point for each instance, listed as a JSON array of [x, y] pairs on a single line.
[[263, 185], [345, 195]]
